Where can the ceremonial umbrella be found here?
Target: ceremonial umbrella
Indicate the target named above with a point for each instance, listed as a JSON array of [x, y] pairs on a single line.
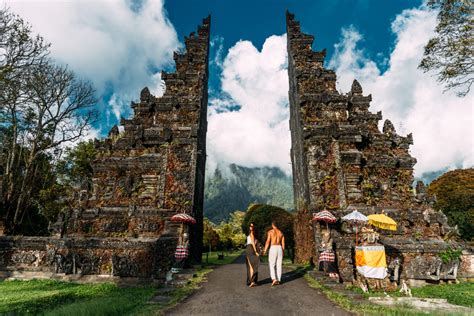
[[324, 216], [382, 221], [183, 218], [355, 217]]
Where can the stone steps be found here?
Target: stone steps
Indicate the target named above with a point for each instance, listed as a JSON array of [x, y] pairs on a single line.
[[183, 275], [177, 283], [337, 287], [159, 299], [181, 278]]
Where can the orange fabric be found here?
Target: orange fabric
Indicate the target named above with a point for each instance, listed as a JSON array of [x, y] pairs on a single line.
[[360, 258], [370, 256]]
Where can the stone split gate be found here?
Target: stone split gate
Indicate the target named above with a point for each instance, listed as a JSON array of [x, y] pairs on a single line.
[[155, 169]]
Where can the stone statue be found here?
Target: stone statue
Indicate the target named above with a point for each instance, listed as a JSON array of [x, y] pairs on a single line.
[[181, 253]]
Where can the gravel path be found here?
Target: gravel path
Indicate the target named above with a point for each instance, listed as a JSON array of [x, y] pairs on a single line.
[[225, 293]]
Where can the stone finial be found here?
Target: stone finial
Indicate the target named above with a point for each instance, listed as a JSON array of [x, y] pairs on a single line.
[[356, 88], [145, 95], [388, 127], [289, 16], [114, 131], [420, 187]]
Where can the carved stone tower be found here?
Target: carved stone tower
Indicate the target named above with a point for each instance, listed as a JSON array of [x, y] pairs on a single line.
[[147, 170], [341, 161], [155, 167]]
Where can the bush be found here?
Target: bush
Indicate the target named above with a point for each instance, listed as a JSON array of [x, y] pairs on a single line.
[[263, 215], [454, 192]]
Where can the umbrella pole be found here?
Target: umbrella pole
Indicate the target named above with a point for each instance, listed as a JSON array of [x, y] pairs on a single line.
[[356, 234]]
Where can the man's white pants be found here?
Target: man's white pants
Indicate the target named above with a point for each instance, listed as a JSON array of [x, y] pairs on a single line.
[[275, 258]]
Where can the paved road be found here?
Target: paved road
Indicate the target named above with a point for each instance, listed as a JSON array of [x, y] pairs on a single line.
[[225, 293]]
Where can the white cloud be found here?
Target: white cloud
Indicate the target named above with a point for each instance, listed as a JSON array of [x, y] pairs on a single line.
[[117, 48], [442, 124], [257, 134]]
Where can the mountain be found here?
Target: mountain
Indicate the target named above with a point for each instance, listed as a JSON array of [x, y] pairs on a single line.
[[224, 194]]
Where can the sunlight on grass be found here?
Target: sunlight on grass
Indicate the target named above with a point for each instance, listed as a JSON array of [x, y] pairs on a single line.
[[365, 309], [33, 297], [458, 294], [213, 257], [48, 297]]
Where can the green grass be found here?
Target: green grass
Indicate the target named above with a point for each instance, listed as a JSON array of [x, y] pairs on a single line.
[[177, 295], [212, 258], [61, 298], [373, 309], [458, 294], [48, 297]]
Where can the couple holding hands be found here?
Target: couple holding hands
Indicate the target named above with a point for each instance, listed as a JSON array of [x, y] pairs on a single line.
[[276, 242]]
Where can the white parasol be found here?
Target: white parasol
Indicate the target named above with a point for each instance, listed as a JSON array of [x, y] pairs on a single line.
[[355, 217]]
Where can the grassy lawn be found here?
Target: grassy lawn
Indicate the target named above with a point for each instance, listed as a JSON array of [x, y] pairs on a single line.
[[176, 296], [213, 259], [360, 309], [49, 297], [60, 298], [460, 294], [46, 297]]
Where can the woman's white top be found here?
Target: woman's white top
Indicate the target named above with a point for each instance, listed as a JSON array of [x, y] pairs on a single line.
[[249, 240]]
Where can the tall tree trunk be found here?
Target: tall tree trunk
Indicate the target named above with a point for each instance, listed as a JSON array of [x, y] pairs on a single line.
[[24, 190], [11, 158]]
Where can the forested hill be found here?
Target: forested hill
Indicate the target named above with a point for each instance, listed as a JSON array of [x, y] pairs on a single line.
[[242, 186]]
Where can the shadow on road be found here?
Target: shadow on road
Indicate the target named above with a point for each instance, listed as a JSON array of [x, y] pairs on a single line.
[[285, 278]]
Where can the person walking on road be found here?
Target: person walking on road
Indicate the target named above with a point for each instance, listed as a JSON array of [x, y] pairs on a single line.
[[276, 242], [253, 257]]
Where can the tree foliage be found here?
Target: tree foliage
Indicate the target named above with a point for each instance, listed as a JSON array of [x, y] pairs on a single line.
[[210, 239], [451, 52], [75, 169], [454, 192], [230, 232], [262, 216], [225, 194], [43, 106]]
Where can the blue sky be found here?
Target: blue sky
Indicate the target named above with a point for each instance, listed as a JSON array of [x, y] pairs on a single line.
[[121, 46], [256, 20]]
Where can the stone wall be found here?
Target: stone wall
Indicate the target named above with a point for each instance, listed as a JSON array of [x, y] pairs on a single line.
[[148, 169], [342, 161]]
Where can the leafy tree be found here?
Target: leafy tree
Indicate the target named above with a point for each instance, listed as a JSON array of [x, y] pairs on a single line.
[[210, 236], [230, 233], [236, 220], [454, 192], [35, 217], [43, 107], [19, 51], [75, 169], [224, 230], [262, 216], [451, 51], [226, 194]]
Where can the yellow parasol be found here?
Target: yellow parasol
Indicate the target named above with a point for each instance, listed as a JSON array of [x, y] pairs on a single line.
[[382, 221]]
